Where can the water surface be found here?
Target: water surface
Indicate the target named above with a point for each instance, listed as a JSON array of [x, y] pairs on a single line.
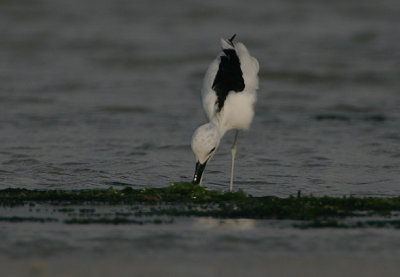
[[108, 94]]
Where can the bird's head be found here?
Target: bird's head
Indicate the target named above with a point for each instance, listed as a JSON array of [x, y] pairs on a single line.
[[205, 142]]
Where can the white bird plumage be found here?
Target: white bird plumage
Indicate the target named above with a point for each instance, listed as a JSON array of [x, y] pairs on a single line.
[[228, 96]]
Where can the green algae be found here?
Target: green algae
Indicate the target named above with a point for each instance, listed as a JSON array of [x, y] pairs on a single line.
[[27, 219], [176, 193], [186, 199]]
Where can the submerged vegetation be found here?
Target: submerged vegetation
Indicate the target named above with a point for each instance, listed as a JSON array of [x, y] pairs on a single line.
[[186, 199]]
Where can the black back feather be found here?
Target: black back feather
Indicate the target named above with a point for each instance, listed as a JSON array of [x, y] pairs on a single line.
[[229, 76]]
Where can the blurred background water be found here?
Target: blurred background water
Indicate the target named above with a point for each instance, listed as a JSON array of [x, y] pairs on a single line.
[[96, 94]]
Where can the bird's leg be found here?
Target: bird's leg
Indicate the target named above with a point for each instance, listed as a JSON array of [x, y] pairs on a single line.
[[233, 151]]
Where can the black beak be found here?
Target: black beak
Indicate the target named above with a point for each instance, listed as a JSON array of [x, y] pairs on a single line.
[[198, 172]]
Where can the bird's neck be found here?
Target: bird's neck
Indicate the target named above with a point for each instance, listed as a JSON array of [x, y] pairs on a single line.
[[222, 129]]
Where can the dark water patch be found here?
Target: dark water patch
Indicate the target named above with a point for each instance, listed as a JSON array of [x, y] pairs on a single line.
[[347, 108], [266, 160], [365, 37], [124, 109], [392, 166], [20, 156], [26, 100], [146, 146], [45, 121], [174, 147], [311, 164], [301, 151], [53, 170], [87, 170], [117, 183], [377, 118], [137, 153], [25, 148], [65, 86], [282, 176], [332, 116], [320, 158], [73, 164], [392, 136], [317, 181], [5, 172], [370, 78], [21, 162], [252, 183], [213, 171]]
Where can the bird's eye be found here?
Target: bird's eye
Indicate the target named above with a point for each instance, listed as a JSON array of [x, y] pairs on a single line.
[[212, 150]]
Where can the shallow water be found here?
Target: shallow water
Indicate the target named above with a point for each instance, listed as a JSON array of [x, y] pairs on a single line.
[[97, 95], [107, 94], [196, 247]]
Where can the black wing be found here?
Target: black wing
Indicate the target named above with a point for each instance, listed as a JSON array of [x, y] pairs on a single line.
[[229, 76]]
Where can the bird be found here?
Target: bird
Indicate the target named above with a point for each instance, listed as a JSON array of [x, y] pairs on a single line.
[[229, 94]]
